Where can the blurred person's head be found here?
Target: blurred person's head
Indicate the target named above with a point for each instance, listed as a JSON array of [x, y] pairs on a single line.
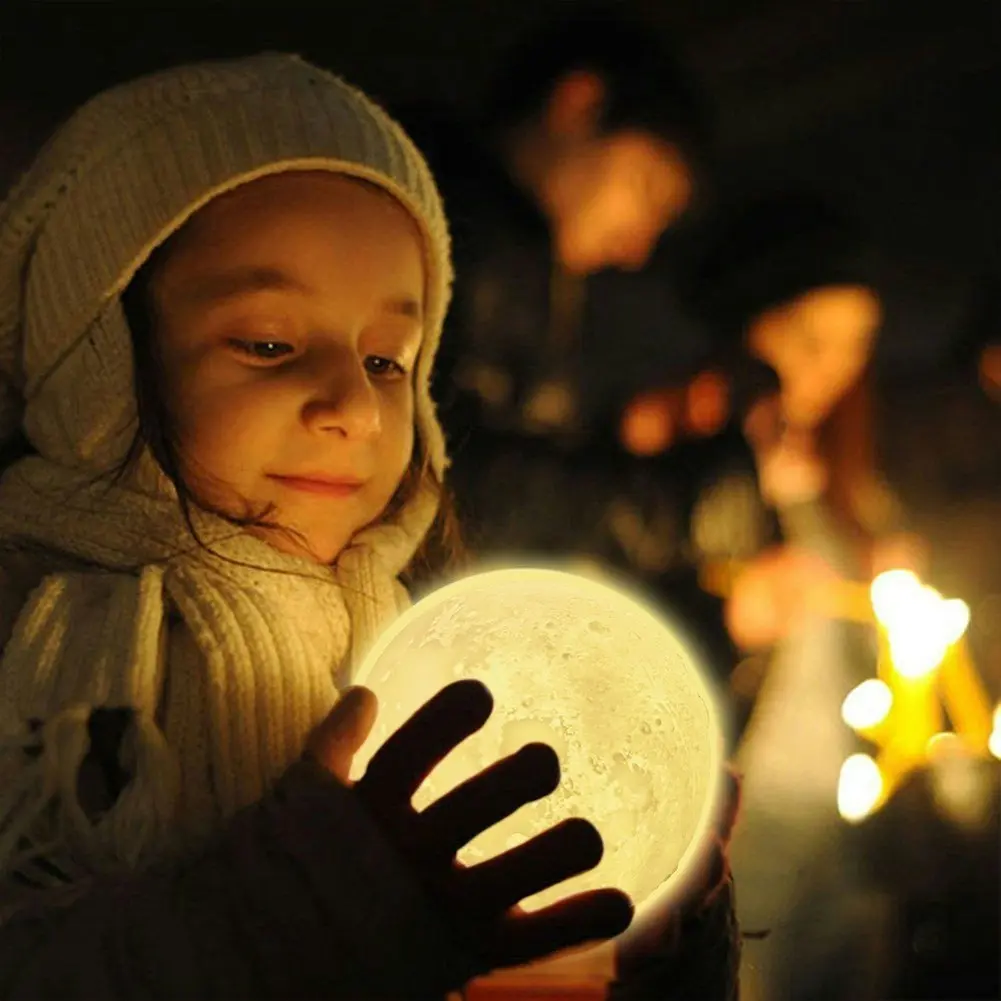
[[601, 126], [819, 344], [791, 286]]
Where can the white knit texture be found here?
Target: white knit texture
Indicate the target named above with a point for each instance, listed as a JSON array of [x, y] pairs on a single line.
[[223, 697]]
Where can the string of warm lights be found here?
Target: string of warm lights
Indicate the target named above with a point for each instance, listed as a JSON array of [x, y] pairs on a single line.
[[925, 675]]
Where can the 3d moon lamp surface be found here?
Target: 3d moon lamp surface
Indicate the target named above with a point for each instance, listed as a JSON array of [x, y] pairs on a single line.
[[594, 672]]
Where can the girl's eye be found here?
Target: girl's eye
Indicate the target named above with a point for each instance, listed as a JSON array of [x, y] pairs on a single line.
[[263, 350], [384, 367]]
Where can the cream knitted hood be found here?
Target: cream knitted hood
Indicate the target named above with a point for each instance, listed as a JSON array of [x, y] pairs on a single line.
[[227, 655], [126, 171]]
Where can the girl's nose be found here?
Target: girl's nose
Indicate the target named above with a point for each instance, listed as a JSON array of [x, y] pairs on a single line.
[[345, 401]]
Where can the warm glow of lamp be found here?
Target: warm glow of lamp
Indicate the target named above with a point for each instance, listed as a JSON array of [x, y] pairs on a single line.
[[867, 705], [595, 673], [860, 787]]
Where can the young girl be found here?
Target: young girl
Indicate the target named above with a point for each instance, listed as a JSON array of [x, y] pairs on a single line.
[[221, 291]]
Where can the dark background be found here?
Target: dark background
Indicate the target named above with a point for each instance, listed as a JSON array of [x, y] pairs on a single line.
[[892, 106]]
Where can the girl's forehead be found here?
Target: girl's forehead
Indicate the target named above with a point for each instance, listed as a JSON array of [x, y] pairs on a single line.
[[267, 201], [306, 224]]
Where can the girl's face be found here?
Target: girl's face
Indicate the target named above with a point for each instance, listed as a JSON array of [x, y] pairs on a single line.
[[819, 345], [289, 320]]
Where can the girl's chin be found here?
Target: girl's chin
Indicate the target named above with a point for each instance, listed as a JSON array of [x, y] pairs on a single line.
[[295, 543], [309, 538]]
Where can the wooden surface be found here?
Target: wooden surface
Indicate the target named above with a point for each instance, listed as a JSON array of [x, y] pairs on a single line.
[[574, 976], [541, 991]]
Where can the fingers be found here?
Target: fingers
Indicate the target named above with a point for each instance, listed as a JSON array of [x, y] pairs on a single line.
[[713, 879], [338, 738], [697, 887], [710, 876], [662, 931], [587, 917], [489, 797], [711, 873], [398, 768], [729, 805], [547, 859]]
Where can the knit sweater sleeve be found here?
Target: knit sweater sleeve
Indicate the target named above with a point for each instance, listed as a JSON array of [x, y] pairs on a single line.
[[300, 896]]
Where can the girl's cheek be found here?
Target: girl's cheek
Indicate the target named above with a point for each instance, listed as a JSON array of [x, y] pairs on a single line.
[[211, 421]]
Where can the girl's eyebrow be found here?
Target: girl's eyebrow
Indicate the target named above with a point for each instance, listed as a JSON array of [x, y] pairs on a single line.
[[404, 305], [220, 286]]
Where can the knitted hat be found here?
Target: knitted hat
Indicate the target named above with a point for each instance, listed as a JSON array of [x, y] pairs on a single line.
[[123, 174]]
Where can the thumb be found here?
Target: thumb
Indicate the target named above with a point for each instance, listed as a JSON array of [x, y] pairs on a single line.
[[338, 738], [728, 808]]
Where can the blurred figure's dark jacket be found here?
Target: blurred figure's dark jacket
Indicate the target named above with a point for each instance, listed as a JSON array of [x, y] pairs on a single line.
[[498, 324]]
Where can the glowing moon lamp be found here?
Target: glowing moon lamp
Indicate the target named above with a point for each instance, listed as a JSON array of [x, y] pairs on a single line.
[[589, 669]]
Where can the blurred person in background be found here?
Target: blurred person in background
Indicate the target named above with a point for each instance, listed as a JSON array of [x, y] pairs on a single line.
[[589, 147], [792, 292], [855, 475], [792, 495], [772, 445]]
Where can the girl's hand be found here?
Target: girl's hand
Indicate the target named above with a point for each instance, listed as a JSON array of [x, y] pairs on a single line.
[[776, 593], [691, 948], [480, 902]]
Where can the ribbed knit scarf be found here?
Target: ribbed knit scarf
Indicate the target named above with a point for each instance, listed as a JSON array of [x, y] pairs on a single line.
[[227, 653]]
